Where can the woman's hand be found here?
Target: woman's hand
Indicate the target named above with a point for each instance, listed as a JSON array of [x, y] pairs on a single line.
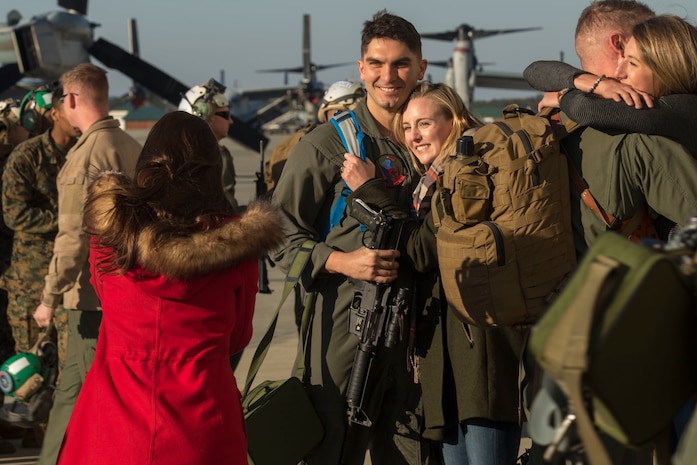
[[613, 89], [550, 99], [356, 171], [620, 92]]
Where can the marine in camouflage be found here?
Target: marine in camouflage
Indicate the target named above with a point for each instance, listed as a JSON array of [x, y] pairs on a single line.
[[30, 205], [11, 134]]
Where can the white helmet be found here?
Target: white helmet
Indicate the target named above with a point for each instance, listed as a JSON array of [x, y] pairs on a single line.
[[342, 95], [204, 100]]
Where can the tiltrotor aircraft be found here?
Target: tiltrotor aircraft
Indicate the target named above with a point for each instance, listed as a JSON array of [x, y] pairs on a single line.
[[464, 72]]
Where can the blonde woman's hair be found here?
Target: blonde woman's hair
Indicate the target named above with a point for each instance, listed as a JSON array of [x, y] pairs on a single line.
[[668, 46], [451, 106]]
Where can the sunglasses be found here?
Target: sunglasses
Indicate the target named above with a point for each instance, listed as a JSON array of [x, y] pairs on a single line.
[[62, 99], [223, 114]]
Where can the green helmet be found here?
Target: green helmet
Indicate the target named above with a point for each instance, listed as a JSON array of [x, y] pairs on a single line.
[[34, 107], [30, 378], [26, 374]]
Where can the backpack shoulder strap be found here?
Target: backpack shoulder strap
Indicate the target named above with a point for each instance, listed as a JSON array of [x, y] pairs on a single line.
[[346, 124], [350, 132], [567, 346], [561, 123]]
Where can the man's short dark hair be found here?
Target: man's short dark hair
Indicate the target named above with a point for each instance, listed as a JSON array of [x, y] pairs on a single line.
[[385, 25]]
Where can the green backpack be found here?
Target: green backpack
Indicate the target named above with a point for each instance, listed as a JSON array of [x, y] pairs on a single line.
[[621, 342]]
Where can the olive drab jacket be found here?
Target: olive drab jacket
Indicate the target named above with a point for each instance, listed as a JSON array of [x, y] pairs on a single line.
[[625, 171]]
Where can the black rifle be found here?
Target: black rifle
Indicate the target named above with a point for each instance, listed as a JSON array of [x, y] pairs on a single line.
[[377, 310], [261, 193]]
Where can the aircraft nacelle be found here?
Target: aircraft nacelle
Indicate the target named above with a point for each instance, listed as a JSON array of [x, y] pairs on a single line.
[[48, 45], [463, 70]]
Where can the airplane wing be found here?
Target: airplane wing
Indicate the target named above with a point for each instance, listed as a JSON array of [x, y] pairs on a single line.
[[502, 81], [164, 85]]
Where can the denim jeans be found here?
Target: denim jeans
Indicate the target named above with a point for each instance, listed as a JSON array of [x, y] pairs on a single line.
[[482, 442]]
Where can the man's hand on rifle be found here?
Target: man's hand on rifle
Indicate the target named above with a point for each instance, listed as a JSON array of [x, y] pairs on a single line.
[[365, 264]]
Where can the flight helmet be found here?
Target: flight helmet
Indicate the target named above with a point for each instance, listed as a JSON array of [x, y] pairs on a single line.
[[30, 378], [342, 95], [204, 100], [34, 107]]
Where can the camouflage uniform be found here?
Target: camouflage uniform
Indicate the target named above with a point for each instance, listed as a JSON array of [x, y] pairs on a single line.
[[30, 205], [7, 344]]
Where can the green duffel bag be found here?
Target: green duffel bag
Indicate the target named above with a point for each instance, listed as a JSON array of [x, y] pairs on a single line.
[[282, 425], [621, 341], [281, 422]]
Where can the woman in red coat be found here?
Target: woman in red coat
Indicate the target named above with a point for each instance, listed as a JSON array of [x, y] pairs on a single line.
[[177, 279]]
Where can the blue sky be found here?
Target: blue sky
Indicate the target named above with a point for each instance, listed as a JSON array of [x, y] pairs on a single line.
[[194, 40]]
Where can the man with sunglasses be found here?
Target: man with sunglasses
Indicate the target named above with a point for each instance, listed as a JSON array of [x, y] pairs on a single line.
[[208, 102]]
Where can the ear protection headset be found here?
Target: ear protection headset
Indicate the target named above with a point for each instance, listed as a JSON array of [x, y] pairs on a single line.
[[204, 100], [202, 108], [33, 107]]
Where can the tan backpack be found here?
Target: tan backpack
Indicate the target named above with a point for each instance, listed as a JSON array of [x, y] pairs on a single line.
[[505, 243]]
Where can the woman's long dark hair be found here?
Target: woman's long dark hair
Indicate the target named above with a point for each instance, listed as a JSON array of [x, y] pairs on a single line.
[[176, 191]]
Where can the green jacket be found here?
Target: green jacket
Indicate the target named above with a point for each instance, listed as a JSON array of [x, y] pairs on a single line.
[[625, 171], [104, 146], [466, 372], [311, 183], [306, 190]]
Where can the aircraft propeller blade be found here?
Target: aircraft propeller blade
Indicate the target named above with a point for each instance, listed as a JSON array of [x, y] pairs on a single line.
[[445, 36], [161, 83], [80, 6], [442, 64], [466, 30], [9, 75], [164, 85], [300, 69], [480, 34], [308, 68], [307, 61]]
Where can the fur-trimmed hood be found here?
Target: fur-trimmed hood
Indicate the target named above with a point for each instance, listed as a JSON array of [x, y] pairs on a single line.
[[258, 231]]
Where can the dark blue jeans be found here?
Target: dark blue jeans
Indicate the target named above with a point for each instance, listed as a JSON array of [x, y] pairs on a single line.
[[482, 442]]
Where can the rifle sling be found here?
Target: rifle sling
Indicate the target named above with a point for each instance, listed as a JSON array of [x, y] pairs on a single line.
[[612, 223]]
